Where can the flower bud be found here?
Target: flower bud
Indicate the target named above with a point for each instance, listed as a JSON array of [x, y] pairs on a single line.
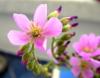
[[72, 17], [62, 57], [55, 13], [26, 57], [66, 27], [65, 20], [24, 62], [20, 53], [74, 25], [60, 42], [67, 43], [67, 36]]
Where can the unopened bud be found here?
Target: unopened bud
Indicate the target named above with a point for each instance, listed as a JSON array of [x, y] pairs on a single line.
[[74, 24], [26, 57], [62, 57], [65, 20], [67, 43], [72, 17], [20, 53], [59, 9], [60, 42], [68, 36], [55, 13], [24, 62], [66, 28]]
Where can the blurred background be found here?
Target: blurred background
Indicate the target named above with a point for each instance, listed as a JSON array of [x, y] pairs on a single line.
[[88, 12]]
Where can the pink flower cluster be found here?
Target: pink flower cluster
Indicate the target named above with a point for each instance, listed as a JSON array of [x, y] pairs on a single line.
[[87, 48]]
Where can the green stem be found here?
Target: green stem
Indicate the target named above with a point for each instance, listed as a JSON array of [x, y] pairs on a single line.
[[41, 68], [52, 47]]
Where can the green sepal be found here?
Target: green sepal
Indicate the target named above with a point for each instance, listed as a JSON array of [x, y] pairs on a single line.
[[25, 48], [66, 28], [65, 20], [66, 37], [53, 14]]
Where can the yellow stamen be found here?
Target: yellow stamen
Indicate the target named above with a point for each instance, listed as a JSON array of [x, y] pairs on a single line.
[[87, 49], [35, 30]]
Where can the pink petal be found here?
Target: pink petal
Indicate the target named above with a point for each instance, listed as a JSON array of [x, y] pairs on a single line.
[[22, 21], [96, 53], [76, 71], [77, 47], [53, 27], [18, 38], [41, 43], [88, 73], [95, 63], [93, 41], [84, 54], [83, 40], [40, 15], [74, 61], [98, 39]]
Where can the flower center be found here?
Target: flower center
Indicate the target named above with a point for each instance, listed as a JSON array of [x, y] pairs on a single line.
[[87, 49], [35, 30]]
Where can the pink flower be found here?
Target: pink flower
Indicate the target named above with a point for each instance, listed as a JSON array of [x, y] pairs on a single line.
[[99, 42], [87, 46], [82, 67], [36, 31]]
